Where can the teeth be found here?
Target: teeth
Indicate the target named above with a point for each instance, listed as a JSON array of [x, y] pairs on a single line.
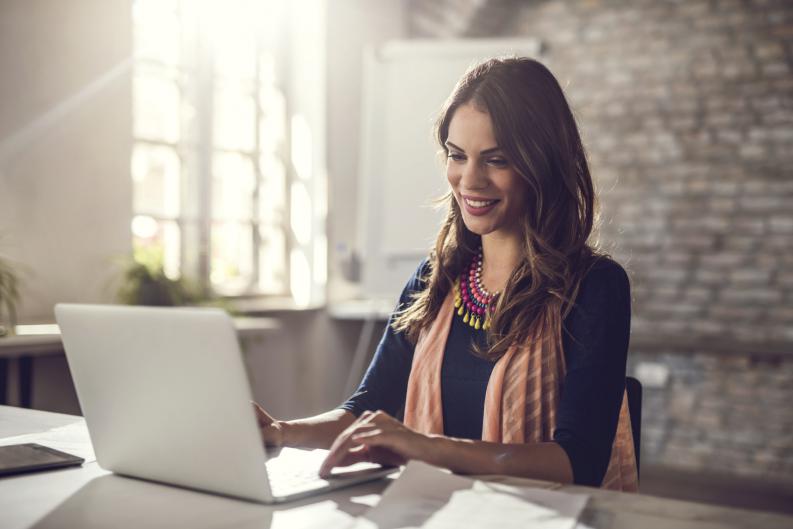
[[479, 203]]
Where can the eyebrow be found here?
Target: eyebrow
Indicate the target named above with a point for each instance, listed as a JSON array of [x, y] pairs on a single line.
[[485, 152]]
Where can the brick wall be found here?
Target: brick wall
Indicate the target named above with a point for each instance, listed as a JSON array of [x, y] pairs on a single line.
[[686, 108]]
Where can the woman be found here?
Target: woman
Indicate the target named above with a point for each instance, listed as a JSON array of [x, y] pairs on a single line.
[[507, 352]]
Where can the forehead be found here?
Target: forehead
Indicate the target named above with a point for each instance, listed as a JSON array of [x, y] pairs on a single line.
[[472, 126]]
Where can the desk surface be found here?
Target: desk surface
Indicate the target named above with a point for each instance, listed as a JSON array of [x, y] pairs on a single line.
[[41, 340], [89, 497]]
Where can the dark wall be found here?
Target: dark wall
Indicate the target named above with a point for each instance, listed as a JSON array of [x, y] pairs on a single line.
[[686, 108]]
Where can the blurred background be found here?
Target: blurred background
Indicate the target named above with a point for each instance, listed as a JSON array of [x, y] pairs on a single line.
[[193, 151]]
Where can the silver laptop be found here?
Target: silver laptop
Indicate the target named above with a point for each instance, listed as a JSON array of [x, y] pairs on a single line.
[[166, 398]]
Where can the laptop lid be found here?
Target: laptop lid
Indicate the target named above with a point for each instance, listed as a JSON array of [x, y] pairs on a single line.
[[165, 396]]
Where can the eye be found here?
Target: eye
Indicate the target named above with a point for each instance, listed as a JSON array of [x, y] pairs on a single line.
[[498, 162], [455, 156]]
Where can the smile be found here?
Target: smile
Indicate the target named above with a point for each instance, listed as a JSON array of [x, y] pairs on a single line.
[[479, 203], [479, 207]]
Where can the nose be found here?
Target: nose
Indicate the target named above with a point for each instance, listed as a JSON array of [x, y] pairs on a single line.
[[473, 176]]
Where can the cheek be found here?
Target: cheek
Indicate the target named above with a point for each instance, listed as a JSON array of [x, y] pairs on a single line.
[[452, 176], [516, 189]]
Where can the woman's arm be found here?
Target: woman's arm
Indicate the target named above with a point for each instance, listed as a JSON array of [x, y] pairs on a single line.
[[546, 461], [595, 341], [381, 438], [312, 432]]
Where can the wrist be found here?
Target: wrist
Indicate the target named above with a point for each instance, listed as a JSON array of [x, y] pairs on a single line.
[[288, 433], [431, 448]]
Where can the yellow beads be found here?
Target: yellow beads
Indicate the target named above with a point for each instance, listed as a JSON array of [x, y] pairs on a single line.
[[473, 319]]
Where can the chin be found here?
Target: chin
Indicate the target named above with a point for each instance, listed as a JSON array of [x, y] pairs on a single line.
[[478, 228]]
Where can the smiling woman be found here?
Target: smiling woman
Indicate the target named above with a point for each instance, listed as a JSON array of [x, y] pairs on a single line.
[[506, 354]]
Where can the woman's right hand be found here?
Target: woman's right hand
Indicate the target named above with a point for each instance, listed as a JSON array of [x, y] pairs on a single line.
[[272, 430]]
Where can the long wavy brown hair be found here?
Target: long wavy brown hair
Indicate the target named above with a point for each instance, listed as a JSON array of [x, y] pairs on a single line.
[[537, 133]]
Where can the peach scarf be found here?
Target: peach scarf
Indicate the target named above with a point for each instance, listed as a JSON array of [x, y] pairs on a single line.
[[521, 399]]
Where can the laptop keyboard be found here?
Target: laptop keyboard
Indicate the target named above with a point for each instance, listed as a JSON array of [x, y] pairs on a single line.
[[289, 479], [294, 471]]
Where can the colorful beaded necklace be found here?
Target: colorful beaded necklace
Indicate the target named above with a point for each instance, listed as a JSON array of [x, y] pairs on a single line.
[[471, 299]]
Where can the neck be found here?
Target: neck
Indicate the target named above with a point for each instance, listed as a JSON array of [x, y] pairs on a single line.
[[501, 254]]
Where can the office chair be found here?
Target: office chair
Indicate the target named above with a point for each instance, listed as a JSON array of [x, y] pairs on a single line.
[[634, 388]]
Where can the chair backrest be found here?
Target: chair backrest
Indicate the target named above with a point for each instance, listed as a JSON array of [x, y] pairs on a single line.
[[634, 389]]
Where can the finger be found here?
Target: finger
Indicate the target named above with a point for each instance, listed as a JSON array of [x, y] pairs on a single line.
[[380, 438], [366, 437], [354, 455], [337, 453], [262, 417], [341, 447], [382, 447]]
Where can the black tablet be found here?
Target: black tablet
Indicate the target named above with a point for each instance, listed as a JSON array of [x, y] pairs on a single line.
[[32, 457]]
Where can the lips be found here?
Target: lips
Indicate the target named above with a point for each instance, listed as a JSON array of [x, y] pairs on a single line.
[[478, 206]]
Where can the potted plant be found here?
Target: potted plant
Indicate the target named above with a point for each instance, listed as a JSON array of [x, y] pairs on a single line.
[[9, 297], [144, 282]]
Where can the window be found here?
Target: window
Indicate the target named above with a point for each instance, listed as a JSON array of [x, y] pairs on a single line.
[[224, 162]]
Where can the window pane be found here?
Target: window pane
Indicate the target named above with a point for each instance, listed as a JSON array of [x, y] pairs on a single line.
[[272, 129], [299, 277], [190, 126], [193, 188], [302, 144], [232, 257], [272, 190], [268, 74], [156, 105], [235, 117], [156, 31], [157, 244], [301, 213], [171, 239], [234, 42], [156, 180], [272, 23], [233, 184], [192, 244], [272, 260]]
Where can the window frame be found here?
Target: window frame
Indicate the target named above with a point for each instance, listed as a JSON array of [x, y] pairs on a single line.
[[195, 256]]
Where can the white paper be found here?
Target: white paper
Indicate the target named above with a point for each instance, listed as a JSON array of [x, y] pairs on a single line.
[[428, 497], [72, 439]]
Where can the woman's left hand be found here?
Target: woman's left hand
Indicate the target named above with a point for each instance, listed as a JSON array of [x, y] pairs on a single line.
[[376, 437]]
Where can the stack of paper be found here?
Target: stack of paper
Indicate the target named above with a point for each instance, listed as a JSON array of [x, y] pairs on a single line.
[[72, 439], [431, 498]]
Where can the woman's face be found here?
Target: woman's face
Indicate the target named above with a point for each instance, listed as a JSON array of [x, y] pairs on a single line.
[[490, 193]]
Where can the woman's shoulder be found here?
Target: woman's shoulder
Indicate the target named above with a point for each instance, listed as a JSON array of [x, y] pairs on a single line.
[[605, 268], [419, 280], [605, 280]]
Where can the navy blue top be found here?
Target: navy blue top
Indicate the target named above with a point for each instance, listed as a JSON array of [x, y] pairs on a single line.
[[595, 341]]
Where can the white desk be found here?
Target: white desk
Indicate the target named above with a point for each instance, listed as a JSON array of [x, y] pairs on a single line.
[[89, 497], [17, 353]]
